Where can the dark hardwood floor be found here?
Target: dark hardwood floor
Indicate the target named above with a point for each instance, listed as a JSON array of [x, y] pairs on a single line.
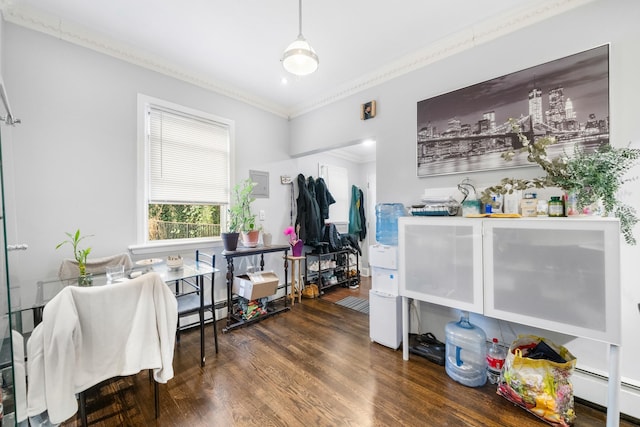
[[314, 365]]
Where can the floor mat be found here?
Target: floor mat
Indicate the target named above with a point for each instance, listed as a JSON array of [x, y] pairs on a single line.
[[357, 304]]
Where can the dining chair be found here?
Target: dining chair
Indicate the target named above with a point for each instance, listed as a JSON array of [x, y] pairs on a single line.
[[193, 299], [69, 267], [91, 334]]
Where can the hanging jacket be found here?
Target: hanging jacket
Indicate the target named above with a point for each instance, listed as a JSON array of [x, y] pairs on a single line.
[[308, 214], [363, 219], [324, 198], [355, 225]]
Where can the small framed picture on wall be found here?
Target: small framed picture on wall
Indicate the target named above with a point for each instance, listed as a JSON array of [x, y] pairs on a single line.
[[368, 110]]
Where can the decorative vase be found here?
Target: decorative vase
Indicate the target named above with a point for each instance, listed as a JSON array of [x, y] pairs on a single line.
[[296, 249], [250, 238], [266, 239], [230, 241], [85, 279]]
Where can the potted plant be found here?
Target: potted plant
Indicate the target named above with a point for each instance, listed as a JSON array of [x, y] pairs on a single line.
[[296, 244], [80, 255], [241, 219], [592, 177]]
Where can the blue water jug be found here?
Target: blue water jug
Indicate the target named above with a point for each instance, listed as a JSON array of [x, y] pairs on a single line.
[[466, 352], [387, 215]]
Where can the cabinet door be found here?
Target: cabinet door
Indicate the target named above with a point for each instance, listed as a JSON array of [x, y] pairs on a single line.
[[441, 261], [557, 274]]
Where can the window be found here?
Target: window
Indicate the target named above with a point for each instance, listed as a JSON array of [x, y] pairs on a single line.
[[187, 160]]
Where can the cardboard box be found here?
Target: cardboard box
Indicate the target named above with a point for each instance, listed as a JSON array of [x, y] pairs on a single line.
[[256, 285]]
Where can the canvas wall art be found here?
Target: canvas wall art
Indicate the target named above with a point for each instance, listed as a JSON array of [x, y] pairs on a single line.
[[467, 130]]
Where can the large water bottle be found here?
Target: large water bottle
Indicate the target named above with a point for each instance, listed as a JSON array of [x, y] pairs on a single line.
[[387, 215], [466, 352]]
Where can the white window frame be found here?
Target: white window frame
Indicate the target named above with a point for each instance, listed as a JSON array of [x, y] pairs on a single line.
[[144, 245]]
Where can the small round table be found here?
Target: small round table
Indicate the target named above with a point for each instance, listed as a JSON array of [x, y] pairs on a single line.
[[297, 281]]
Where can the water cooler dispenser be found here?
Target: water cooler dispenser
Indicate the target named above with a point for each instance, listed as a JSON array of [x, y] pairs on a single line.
[[385, 303]]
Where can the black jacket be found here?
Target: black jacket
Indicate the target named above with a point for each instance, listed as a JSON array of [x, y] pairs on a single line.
[[324, 198], [308, 214], [363, 219]]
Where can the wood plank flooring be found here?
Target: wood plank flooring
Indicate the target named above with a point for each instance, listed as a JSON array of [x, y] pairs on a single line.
[[312, 366]]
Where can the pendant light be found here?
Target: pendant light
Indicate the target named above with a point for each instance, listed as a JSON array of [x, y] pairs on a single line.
[[300, 58]]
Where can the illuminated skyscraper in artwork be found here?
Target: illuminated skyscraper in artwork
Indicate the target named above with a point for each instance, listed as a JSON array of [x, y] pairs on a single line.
[[490, 117], [556, 114], [535, 105], [568, 108]]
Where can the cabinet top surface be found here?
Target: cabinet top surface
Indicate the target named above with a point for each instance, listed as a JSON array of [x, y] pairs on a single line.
[[564, 219]]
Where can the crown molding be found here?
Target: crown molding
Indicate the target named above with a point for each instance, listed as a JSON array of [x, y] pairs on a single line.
[[484, 32], [43, 22]]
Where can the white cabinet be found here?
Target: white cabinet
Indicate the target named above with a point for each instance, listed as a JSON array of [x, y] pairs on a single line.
[[441, 261], [558, 274]]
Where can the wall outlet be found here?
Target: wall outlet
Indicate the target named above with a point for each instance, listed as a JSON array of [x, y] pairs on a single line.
[[261, 215]]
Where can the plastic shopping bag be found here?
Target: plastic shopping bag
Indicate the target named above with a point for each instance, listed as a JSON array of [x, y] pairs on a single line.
[[537, 377]]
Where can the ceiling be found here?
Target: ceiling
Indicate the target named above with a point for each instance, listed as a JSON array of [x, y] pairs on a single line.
[[234, 47]]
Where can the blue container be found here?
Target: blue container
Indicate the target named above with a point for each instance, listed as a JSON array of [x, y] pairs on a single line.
[[466, 352], [387, 215]]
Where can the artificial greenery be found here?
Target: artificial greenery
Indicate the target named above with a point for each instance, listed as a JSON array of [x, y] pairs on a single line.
[[592, 176], [240, 216], [79, 254]]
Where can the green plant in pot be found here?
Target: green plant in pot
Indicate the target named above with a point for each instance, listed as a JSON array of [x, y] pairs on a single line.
[[591, 177], [241, 219], [80, 255]]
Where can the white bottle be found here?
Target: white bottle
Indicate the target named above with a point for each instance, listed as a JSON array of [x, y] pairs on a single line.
[[495, 361]]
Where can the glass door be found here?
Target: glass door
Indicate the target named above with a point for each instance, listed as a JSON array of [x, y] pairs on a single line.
[[7, 411]]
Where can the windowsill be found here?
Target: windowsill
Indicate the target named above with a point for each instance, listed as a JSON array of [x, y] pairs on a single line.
[[174, 245]]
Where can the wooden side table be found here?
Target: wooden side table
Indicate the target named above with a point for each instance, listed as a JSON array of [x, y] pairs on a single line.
[[297, 280]]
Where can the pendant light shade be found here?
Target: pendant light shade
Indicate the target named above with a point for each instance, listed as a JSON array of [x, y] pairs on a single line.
[[299, 58]]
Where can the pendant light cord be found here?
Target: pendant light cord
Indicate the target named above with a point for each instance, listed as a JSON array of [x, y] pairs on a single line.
[[299, 18]]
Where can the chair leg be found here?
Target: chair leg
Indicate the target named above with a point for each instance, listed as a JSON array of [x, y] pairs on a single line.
[[215, 329], [156, 398], [201, 337], [83, 408]]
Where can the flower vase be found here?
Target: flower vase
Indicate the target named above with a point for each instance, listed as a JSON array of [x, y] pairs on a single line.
[[85, 279], [296, 249]]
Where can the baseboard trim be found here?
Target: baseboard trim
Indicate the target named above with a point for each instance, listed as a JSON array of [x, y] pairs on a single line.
[[592, 388]]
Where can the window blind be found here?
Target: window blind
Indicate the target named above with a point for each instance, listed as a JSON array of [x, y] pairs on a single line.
[[189, 159]]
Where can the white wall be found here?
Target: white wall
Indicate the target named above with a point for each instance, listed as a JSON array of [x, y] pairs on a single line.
[[594, 24]]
